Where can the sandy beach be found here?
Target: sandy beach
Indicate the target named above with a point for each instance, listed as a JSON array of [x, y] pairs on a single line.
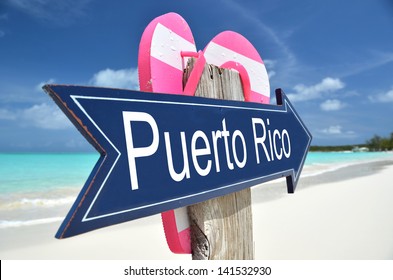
[[342, 214]]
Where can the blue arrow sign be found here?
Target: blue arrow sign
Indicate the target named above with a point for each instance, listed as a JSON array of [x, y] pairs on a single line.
[[161, 152]]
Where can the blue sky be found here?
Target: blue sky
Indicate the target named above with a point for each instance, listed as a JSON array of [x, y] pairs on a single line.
[[333, 58]]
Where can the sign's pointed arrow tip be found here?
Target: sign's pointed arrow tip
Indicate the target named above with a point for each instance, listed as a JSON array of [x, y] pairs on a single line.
[[304, 142]]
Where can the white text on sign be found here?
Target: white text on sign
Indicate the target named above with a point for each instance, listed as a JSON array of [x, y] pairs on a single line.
[[269, 144]]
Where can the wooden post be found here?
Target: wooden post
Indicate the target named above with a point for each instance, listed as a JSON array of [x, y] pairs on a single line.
[[221, 228]]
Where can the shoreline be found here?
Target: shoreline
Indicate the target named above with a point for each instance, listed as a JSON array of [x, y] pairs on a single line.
[[272, 206], [277, 188], [272, 190]]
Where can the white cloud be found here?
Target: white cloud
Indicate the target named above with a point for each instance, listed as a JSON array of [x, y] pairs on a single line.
[[123, 78], [269, 63], [271, 74], [332, 105], [45, 116], [382, 97], [40, 85], [304, 93], [42, 115], [337, 131], [6, 114], [333, 129]]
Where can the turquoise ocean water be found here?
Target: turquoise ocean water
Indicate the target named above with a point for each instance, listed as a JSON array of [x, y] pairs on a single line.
[[40, 188]]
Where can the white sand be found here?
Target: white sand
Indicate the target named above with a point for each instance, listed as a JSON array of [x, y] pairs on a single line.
[[351, 219], [139, 239]]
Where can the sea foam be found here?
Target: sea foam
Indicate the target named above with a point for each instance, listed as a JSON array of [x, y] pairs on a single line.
[[13, 224], [23, 203]]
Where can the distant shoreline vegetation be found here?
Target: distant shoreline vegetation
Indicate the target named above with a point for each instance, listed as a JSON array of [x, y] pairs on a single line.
[[375, 144]]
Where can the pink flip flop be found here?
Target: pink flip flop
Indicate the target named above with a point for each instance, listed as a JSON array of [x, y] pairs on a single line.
[[160, 66], [165, 45], [231, 50]]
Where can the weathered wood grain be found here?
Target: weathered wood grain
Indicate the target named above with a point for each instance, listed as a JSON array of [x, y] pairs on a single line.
[[221, 228]]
